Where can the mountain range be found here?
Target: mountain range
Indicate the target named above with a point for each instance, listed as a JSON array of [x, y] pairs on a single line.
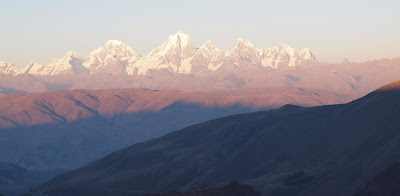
[[177, 55], [178, 65], [323, 150], [73, 110]]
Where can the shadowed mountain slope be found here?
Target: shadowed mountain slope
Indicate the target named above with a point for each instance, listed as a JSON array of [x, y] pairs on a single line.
[[231, 189], [15, 180], [385, 183], [68, 106], [67, 129], [325, 150]]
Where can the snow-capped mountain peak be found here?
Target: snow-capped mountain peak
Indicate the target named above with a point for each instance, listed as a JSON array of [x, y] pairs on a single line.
[[69, 64], [114, 43], [179, 43], [33, 68], [8, 68], [286, 48], [208, 46], [176, 55], [244, 50], [71, 54], [307, 55], [244, 44], [112, 58], [209, 55]]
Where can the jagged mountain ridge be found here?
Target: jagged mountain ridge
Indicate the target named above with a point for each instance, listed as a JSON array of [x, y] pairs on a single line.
[[8, 68], [179, 65], [177, 55]]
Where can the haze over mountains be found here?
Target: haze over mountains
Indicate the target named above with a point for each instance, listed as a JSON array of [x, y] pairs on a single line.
[[179, 65], [325, 150]]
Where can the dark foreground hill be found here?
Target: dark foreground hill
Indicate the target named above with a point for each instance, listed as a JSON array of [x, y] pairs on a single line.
[[325, 150], [231, 189], [15, 180], [386, 183]]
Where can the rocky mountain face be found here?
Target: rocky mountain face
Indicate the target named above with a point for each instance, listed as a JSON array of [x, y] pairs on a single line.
[[66, 129], [325, 150]]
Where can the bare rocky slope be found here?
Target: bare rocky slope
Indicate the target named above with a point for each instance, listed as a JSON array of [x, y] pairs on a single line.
[[324, 150]]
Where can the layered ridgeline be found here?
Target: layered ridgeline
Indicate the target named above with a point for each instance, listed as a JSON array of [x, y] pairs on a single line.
[[66, 129], [178, 64], [16, 180], [176, 55], [325, 150]]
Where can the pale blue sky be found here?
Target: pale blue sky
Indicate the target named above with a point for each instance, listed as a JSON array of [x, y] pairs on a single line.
[[40, 30]]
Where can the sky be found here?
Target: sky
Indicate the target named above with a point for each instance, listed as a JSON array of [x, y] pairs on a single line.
[[41, 30]]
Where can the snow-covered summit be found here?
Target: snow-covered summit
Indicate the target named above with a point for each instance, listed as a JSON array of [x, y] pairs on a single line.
[[178, 44], [33, 69], [244, 51], [208, 57], [8, 68], [114, 43], [112, 58], [71, 63], [282, 55], [176, 55]]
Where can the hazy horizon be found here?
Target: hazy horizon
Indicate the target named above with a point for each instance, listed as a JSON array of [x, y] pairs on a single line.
[[42, 30]]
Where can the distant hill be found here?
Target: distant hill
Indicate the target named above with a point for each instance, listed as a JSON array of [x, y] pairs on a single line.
[[325, 150], [15, 180], [67, 129]]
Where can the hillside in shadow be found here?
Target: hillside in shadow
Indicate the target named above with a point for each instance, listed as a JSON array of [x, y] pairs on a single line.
[[324, 150], [67, 129], [386, 183], [15, 180], [232, 189]]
